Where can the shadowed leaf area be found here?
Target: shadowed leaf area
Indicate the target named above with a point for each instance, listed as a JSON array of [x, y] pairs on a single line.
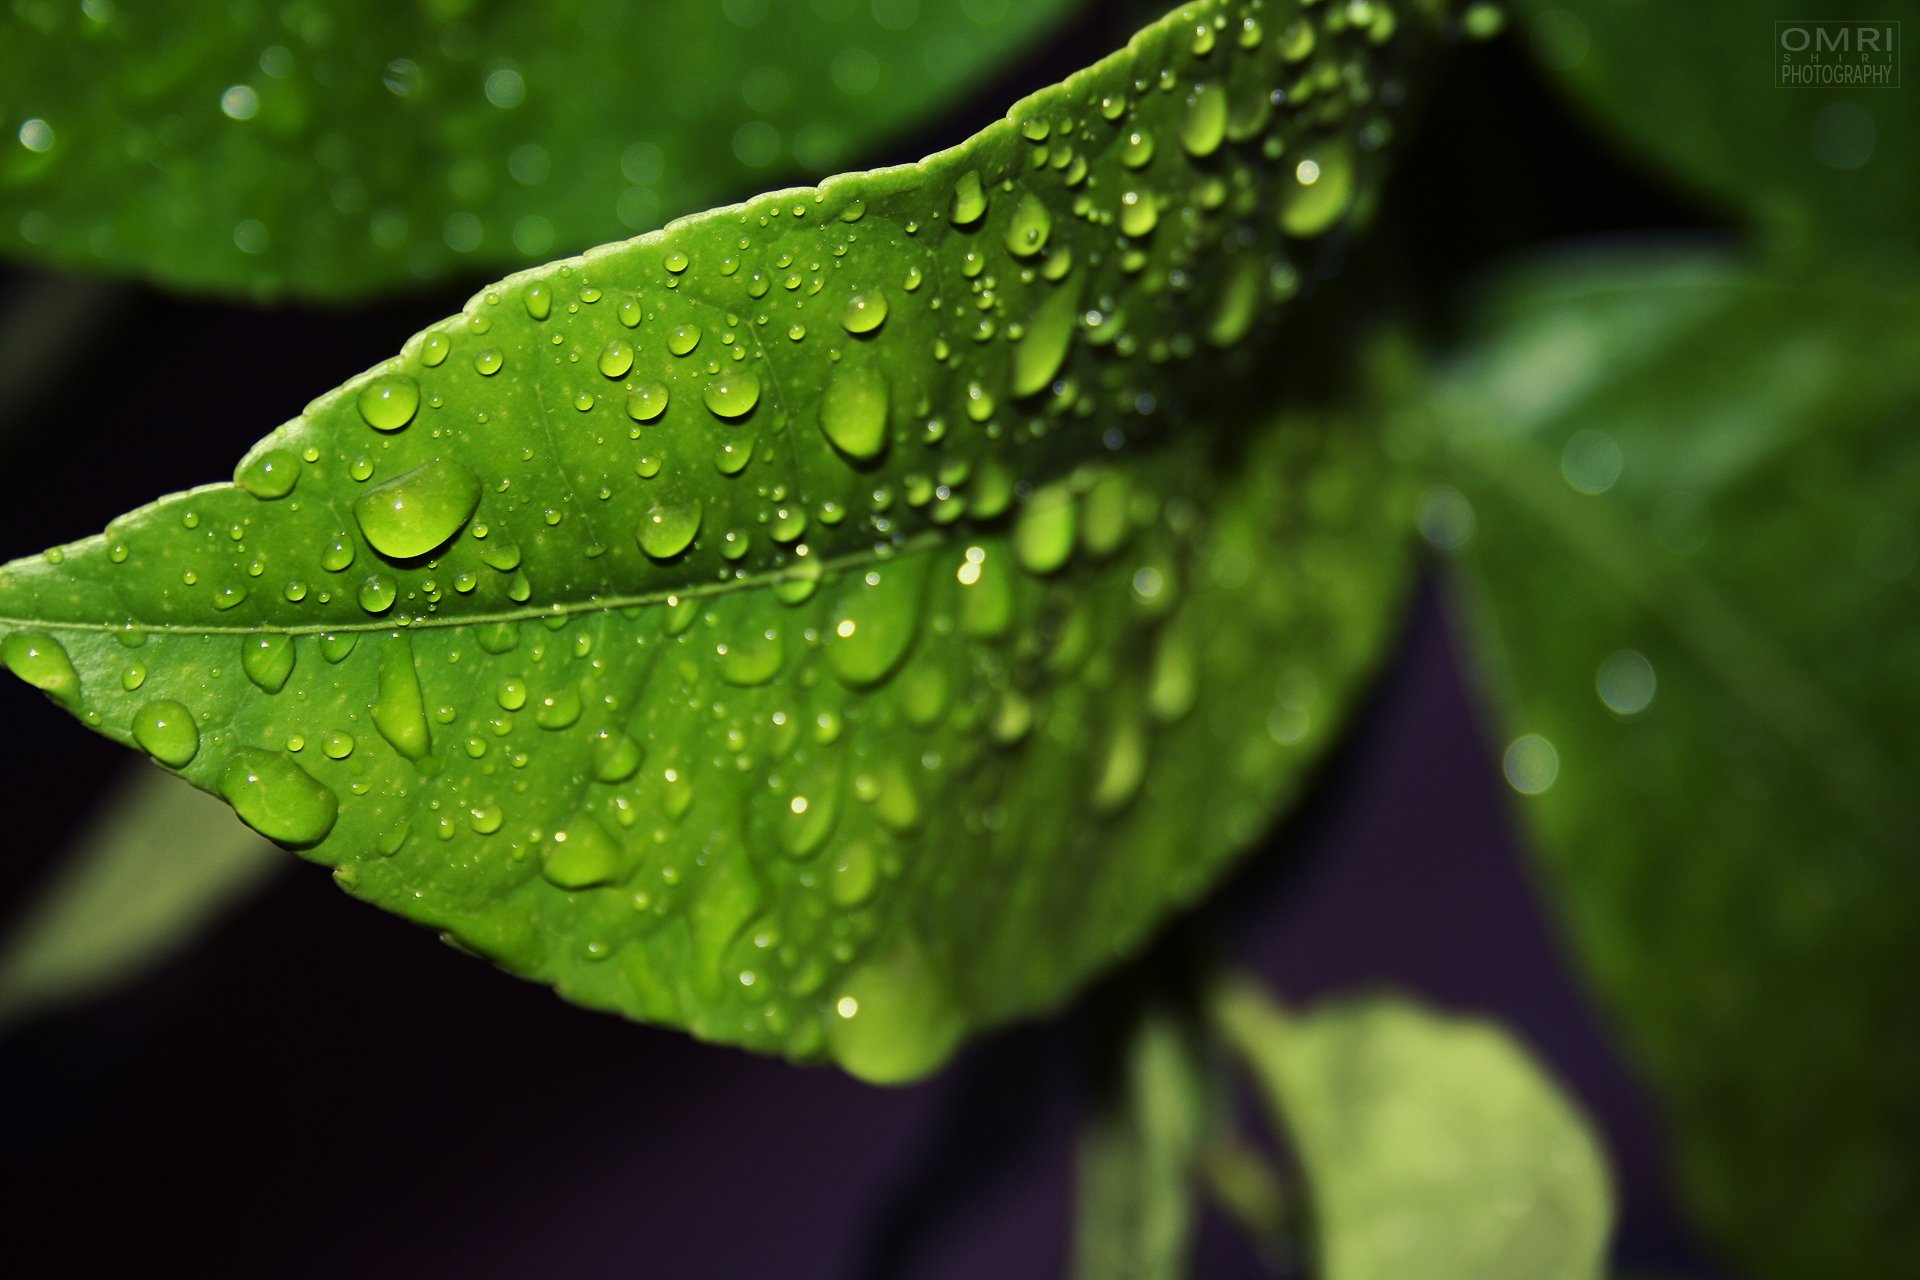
[[333, 150], [1684, 515]]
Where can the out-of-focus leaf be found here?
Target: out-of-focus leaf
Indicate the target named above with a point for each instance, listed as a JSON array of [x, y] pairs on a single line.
[[1683, 498], [1140, 1154], [832, 623], [1699, 89], [331, 150], [156, 868], [1431, 1146]]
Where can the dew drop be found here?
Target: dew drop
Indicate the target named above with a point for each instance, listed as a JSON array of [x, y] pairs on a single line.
[[270, 475], [38, 659], [581, 856], [863, 313], [267, 660], [669, 529], [1204, 127], [853, 412], [969, 200], [277, 798], [377, 593], [1029, 227], [647, 402], [417, 513], [734, 394], [165, 730], [388, 402], [617, 359]]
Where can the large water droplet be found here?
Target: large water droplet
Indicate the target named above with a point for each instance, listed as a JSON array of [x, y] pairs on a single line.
[[415, 514], [969, 200], [1027, 230], [733, 394], [399, 711], [270, 475], [864, 312], [389, 402], [1044, 535], [38, 659], [581, 856], [669, 528], [753, 661], [277, 798], [647, 401], [165, 730], [892, 1020], [875, 622], [853, 413], [267, 660], [1042, 349], [1204, 127], [1321, 193]]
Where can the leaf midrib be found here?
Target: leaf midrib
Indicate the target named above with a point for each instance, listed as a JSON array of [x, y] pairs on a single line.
[[866, 558]]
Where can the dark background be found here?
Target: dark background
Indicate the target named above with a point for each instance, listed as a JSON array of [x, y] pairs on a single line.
[[320, 1089]]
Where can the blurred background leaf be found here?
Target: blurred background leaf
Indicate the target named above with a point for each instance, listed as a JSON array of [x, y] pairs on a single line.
[[1682, 508], [334, 150], [1431, 1145], [159, 864], [1693, 90]]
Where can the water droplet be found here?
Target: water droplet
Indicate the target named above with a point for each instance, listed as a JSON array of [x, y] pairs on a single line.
[[616, 757], [270, 475], [1626, 683], [415, 514], [488, 362], [378, 593], [399, 711], [165, 730], [267, 660], [1042, 349], [434, 350], [1204, 127], [539, 300], [38, 659], [1044, 535], [1029, 227], [682, 339], [753, 661], [875, 622], [647, 402], [893, 1019], [733, 394], [969, 200], [617, 359], [1239, 304], [853, 413], [1139, 214], [669, 528], [864, 312], [277, 798], [388, 402], [1531, 764], [1321, 193], [558, 710], [581, 856]]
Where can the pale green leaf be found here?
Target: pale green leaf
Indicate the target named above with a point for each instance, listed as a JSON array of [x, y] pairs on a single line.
[[827, 625], [1153, 1113], [1684, 500], [331, 150], [160, 864], [1431, 1146]]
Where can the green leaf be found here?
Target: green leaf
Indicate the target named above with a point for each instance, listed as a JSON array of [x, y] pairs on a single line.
[[1817, 166], [1154, 1112], [1431, 1145], [161, 864], [332, 150], [824, 625], [1684, 498]]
